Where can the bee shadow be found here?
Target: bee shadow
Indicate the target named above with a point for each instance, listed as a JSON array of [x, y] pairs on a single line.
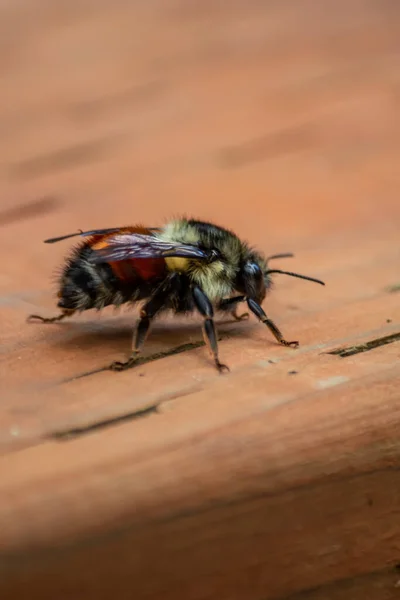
[[118, 333]]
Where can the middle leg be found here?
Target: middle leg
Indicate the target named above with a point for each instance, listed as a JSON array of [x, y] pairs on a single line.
[[205, 308], [148, 312]]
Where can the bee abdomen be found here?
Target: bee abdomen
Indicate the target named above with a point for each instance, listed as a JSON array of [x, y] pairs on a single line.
[[82, 288], [84, 285]]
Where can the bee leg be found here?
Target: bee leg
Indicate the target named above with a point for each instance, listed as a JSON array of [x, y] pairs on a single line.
[[230, 305], [59, 317], [205, 308], [148, 312], [260, 314], [140, 337], [242, 317]]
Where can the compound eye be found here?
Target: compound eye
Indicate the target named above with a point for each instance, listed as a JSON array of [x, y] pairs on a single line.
[[253, 270]]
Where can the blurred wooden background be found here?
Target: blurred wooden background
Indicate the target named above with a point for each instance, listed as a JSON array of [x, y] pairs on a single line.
[[280, 119]]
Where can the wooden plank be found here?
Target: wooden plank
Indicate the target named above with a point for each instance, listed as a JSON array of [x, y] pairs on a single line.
[[279, 120], [324, 486], [383, 585]]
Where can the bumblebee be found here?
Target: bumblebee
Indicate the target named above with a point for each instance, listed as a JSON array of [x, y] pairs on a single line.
[[183, 266]]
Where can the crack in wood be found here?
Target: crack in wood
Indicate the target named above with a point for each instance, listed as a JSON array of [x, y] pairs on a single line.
[[351, 350], [28, 210], [152, 409], [63, 158], [75, 432], [393, 289], [142, 360]]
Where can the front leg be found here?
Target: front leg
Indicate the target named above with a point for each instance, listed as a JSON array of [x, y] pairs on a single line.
[[260, 314], [205, 308], [230, 305]]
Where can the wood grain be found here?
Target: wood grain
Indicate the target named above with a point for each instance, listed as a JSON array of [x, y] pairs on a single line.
[[280, 481]]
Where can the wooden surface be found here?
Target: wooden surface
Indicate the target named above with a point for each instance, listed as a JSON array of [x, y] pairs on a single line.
[[280, 480]]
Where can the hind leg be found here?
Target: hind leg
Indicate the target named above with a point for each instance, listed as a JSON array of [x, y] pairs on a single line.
[[41, 319]]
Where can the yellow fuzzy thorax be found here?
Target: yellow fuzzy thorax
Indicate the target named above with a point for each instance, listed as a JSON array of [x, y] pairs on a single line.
[[215, 278], [210, 277]]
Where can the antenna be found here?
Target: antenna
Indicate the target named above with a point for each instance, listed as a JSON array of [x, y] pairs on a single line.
[[274, 256], [295, 275]]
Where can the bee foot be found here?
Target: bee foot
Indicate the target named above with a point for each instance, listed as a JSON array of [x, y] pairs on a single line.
[[122, 366], [290, 344], [242, 317], [221, 368], [33, 318]]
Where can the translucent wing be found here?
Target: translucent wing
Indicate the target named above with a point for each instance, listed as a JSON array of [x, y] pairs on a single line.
[[82, 234], [135, 245], [90, 233]]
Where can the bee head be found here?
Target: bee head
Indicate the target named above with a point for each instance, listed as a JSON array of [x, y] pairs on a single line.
[[254, 276], [253, 281]]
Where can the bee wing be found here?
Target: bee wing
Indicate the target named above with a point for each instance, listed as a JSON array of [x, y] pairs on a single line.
[[135, 245], [90, 234], [82, 234]]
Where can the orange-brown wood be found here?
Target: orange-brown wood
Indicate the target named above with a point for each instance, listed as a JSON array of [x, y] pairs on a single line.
[[281, 480]]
